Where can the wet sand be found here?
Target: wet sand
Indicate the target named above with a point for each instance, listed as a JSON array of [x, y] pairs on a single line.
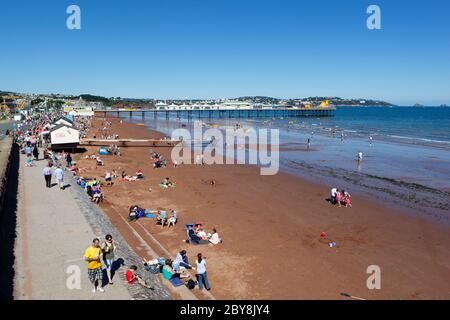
[[271, 226]]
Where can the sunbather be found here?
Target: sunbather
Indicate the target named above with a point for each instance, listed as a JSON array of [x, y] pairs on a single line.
[[172, 218], [201, 233], [97, 194], [108, 178], [140, 174], [193, 238], [181, 261], [167, 183], [215, 239], [162, 217], [169, 273], [130, 178], [157, 164], [135, 212]]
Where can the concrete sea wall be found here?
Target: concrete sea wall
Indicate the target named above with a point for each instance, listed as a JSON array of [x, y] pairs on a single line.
[[9, 177]]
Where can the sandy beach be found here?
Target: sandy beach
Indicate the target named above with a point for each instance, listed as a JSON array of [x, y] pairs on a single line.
[[271, 227]]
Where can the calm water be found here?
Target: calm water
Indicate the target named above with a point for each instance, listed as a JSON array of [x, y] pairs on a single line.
[[408, 123], [407, 164]]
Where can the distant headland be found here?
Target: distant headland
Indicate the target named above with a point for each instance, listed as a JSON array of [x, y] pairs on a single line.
[[9, 97]]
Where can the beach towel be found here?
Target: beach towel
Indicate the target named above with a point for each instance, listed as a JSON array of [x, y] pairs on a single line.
[[176, 282], [102, 151], [150, 215]]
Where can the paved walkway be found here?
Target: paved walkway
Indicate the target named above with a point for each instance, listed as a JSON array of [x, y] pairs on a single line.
[[54, 229]]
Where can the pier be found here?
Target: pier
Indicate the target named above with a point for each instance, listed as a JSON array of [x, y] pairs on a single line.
[[223, 113]]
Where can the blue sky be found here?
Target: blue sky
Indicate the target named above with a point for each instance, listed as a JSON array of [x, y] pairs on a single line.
[[229, 48]]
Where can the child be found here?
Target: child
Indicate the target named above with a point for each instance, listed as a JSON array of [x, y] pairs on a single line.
[[132, 277], [347, 200], [338, 198], [173, 218]]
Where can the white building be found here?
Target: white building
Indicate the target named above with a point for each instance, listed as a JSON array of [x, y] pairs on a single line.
[[64, 137]]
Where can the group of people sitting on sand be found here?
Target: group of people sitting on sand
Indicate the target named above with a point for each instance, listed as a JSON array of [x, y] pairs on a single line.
[[177, 270], [197, 235], [139, 175], [92, 188], [166, 183], [158, 160], [162, 217], [109, 176], [113, 149], [169, 268], [340, 197], [97, 159]]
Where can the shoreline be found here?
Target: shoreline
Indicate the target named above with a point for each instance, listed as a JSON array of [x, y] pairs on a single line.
[[415, 192], [271, 227]]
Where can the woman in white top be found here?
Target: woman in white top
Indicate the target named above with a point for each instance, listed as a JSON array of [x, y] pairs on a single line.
[[215, 239], [202, 277]]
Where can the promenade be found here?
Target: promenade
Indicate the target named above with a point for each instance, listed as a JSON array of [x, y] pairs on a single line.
[[54, 227]]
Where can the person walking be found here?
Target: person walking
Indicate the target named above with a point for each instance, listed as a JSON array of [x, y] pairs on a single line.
[[360, 156], [28, 150], [59, 175], [36, 153], [47, 176], [69, 160], [93, 255], [202, 277], [108, 248]]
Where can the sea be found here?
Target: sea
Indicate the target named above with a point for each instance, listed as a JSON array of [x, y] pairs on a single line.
[[406, 152]]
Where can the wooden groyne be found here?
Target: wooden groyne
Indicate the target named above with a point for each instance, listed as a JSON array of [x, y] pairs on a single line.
[[129, 142]]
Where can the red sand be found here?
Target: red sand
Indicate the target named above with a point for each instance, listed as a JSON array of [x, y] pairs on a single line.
[[271, 226]]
